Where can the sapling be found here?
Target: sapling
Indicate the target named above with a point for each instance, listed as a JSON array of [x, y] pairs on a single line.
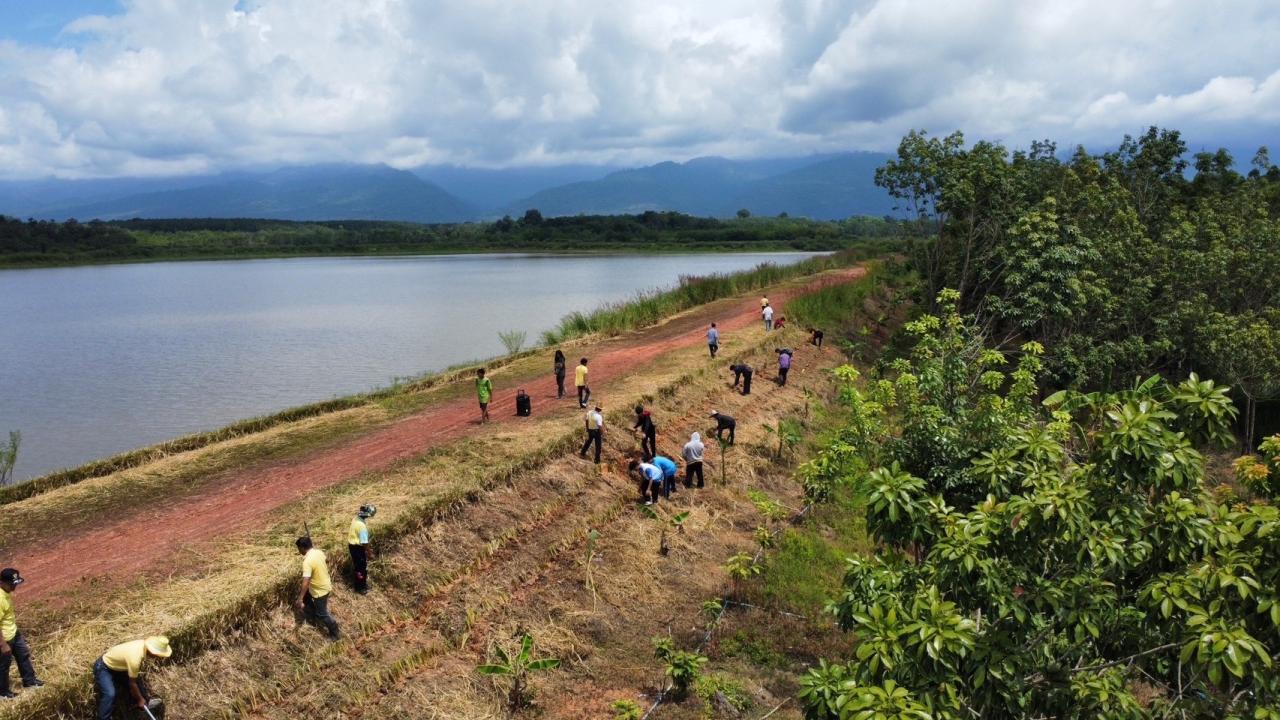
[[517, 668], [741, 567]]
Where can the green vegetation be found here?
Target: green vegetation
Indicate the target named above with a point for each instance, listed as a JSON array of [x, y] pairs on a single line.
[[1066, 559], [9, 456], [36, 243], [516, 667]]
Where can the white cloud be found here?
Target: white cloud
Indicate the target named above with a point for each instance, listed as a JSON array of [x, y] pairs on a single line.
[[198, 85]]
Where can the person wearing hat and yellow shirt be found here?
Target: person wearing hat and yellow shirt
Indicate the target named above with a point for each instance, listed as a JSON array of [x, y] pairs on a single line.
[[313, 598], [361, 551], [12, 645], [120, 667]]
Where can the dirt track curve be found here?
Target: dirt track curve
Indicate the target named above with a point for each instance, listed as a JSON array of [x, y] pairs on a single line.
[[126, 545]]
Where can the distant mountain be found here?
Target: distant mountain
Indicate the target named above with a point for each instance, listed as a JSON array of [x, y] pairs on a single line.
[[493, 189], [318, 192], [826, 187]]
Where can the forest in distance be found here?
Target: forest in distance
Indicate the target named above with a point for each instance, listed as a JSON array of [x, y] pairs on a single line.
[[44, 243]]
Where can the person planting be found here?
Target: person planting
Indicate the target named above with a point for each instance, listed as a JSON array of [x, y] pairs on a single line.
[[580, 381], [692, 454], [119, 669], [595, 432], [313, 598], [784, 364], [359, 547], [13, 646], [742, 373], [484, 393], [815, 336], [647, 431], [668, 468], [724, 422], [650, 478]]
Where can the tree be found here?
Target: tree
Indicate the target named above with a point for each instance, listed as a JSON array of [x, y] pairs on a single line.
[[531, 217], [743, 214], [1065, 558]]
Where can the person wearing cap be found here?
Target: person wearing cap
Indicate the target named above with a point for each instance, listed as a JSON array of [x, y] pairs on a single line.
[[120, 666], [12, 645], [313, 598], [358, 546], [595, 432], [580, 382], [724, 422]]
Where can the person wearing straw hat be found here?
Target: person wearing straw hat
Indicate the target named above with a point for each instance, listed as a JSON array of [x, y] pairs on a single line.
[[119, 668], [12, 645], [313, 598], [358, 546]]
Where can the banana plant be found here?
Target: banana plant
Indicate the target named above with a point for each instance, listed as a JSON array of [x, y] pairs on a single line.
[[517, 668]]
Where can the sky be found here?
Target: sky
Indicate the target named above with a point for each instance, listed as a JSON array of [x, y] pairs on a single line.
[[171, 87]]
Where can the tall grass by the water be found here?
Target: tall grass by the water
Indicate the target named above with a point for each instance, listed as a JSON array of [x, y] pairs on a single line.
[[651, 307]]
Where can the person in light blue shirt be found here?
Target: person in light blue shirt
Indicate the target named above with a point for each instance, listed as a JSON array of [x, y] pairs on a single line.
[[713, 339], [650, 477], [668, 468]]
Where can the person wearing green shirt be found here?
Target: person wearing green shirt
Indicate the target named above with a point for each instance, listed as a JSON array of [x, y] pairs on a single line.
[[484, 392], [12, 645]]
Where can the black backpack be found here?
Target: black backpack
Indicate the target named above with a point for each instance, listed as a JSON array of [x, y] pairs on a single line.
[[524, 406]]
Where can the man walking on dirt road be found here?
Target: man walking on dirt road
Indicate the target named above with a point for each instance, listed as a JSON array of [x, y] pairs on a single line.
[[724, 422], [119, 668], [484, 393], [692, 454], [742, 373], [767, 314], [595, 432], [713, 340], [360, 549], [648, 432], [313, 598], [580, 381], [12, 645]]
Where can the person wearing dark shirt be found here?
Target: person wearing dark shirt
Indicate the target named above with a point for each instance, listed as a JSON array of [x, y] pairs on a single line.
[[558, 368], [815, 336], [648, 432], [742, 373], [724, 422]]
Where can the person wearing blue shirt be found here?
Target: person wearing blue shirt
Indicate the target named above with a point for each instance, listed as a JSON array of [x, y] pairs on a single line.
[[713, 339], [650, 477], [668, 468]]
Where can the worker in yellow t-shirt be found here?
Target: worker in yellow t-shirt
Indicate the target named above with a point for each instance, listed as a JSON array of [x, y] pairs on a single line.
[[12, 645], [359, 547], [313, 598], [580, 380], [119, 667]]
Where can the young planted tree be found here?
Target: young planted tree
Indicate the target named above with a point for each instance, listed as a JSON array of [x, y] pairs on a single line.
[[1062, 560], [517, 668]]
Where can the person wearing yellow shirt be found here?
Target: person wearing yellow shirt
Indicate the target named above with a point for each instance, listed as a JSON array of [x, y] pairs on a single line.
[[120, 667], [12, 645], [361, 550], [580, 381], [313, 598]]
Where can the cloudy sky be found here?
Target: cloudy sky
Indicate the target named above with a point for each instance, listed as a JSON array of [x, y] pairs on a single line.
[[154, 87]]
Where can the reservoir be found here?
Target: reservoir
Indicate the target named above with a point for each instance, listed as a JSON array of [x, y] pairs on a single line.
[[100, 359]]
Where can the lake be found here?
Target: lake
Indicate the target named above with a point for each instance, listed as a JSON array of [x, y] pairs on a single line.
[[100, 359]]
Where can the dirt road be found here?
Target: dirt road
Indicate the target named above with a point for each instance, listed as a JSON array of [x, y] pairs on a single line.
[[126, 545]]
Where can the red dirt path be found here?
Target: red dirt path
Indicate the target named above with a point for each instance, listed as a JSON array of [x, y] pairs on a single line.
[[127, 545]]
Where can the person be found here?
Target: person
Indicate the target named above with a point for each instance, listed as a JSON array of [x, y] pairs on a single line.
[[767, 314], [780, 323], [648, 432], [764, 302], [724, 422], [313, 598], [784, 364], [742, 372], [559, 371], [713, 339], [360, 549], [595, 432], [692, 455], [815, 336], [120, 666], [580, 381], [668, 468], [13, 646], [650, 478], [484, 392]]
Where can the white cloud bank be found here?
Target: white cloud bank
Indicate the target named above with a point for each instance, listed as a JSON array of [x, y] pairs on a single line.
[[183, 86]]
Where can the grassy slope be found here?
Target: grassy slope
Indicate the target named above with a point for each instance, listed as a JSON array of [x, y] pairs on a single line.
[[209, 596]]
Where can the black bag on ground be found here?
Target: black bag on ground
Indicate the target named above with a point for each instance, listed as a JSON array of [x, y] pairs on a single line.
[[524, 405]]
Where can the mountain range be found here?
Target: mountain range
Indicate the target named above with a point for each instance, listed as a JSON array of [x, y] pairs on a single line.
[[820, 187]]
